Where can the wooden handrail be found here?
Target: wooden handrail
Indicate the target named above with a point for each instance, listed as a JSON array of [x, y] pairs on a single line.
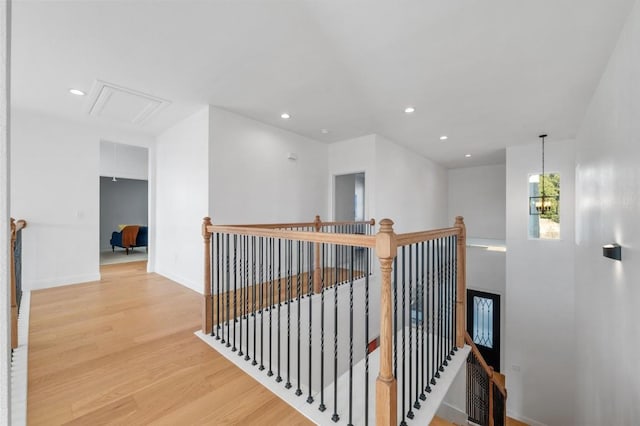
[[356, 240], [313, 224], [16, 226], [418, 237], [487, 369]]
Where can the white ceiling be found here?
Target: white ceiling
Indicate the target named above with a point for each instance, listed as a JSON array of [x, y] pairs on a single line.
[[488, 74]]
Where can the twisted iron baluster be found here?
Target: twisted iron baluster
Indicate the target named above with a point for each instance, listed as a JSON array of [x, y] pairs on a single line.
[[279, 377], [322, 407], [310, 277]]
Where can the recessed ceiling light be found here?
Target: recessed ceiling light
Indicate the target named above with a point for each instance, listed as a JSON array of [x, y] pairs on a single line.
[[467, 155], [409, 110], [285, 115], [77, 92], [324, 131], [444, 138]]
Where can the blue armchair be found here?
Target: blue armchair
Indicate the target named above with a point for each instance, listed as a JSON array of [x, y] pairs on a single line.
[[141, 239]]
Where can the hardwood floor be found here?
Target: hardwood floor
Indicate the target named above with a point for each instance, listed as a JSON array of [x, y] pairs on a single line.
[[122, 351]]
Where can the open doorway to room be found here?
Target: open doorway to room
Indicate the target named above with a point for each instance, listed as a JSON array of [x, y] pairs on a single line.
[[124, 203], [349, 197]]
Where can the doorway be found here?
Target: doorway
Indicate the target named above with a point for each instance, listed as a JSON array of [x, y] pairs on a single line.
[[124, 203], [483, 324], [349, 197]]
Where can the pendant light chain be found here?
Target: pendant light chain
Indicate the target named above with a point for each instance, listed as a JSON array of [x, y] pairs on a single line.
[[543, 194]]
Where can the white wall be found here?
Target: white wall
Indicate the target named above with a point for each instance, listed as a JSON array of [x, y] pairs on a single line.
[[253, 181], [354, 156], [410, 189], [182, 199], [608, 209], [540, 345], [478, 194], [55, 187], [124, 161]]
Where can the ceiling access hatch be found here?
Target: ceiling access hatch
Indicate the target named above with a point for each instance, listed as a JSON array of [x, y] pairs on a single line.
[[121, 104]]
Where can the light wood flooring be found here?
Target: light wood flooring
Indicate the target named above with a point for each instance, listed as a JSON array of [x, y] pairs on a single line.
[[122, 351]]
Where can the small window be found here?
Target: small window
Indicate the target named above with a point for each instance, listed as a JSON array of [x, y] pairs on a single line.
[[483, 321], [544, 206]]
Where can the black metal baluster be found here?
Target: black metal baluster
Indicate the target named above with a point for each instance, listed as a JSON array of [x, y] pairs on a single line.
[[451, 300], [254, 301], [433, 316], [279, 377], [288, 302], [440, 308], [403, 322], [262, 288], [270, 261], [447, 314], [235, 290], [418, 298], [335, 417], [410, 412], [310, 276], [240, 318], [423, 301], [455, 291], [366, 337], [228, 291], [218, 294], [247, 289], [322, 407], [299, 303], [352, 266]]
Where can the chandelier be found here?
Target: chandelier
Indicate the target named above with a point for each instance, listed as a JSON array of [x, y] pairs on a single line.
[[543, 204]]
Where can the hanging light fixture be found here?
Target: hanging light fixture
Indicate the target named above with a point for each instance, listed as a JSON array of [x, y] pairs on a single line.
[[543, 204], [115, 160]]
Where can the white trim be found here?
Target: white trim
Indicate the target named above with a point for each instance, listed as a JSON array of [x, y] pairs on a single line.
[[19, 365], [61, 281], [197, 287]]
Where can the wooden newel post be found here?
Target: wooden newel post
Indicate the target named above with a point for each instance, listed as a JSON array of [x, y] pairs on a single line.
[[207, 299], [461, 280], [12, 283], [386, 385], [317, 274]]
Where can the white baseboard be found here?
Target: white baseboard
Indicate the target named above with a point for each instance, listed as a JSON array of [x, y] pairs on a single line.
[[60, 281], [197, 287], [19, 365]]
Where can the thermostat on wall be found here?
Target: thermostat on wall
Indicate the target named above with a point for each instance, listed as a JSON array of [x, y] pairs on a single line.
[[292, 156]]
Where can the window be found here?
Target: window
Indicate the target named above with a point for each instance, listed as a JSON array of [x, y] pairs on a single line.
[[544, 206]]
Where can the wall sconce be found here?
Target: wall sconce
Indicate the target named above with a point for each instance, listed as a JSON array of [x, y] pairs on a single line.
[[612, 251]]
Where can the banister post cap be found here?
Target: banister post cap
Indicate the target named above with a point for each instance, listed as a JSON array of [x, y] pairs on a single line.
[[206, 221], [386, 244], [386, 225]]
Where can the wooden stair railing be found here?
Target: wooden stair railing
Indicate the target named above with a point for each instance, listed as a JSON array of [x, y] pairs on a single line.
[[485, 405], [16, 227], [436, 258]]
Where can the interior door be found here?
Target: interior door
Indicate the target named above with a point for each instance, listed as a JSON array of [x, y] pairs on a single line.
[[483, 324]]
